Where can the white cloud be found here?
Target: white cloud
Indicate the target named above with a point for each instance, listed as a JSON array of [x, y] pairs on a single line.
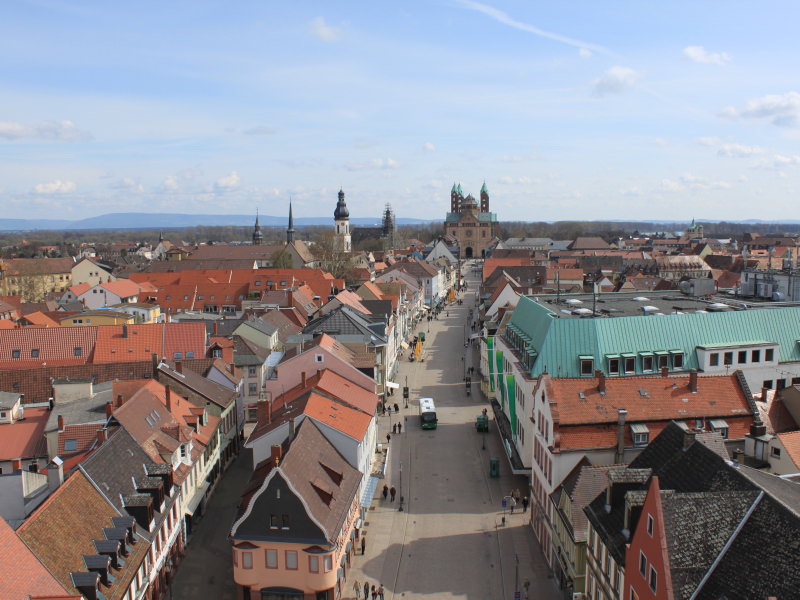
[[701, 55], [323, 31], [126, 183], [373, 164], [585, 53], [62, 131], [508, 180], [228, 182], [429, 147], [171, 183], [505, 19], [709, 141], [632, 192], [782, 110], [689, 181], [739, 150], [261, 130], [617, 79], [55, 187], [782, 160], [660, 142]]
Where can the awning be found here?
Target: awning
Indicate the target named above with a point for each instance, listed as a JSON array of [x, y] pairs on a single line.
[[661, 353], [639, 428], [197, 498], [585, 357], [718, 423], [645, 354], [628, 355], [392, 385], [369, 492]]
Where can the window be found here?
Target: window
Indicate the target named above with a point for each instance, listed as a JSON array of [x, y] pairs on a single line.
[[642, 563], [755, 356], [35, 353], [767, 383], [630, 364], [633, 595], [285, 521], [653, 580], [769, 354], [613, 366], [677, 360], [77, 351], [271, 559], [15, 354], [641, 434], [251, 371], [177, 355], [247, 560], [190, 355], [319, 358], [252, 389], [663, 361], [327, 562], [650, 525], [291, 560], [70, 445], [313, 564], [713, 359], [587, 367], [647, 364], [273, 521], [776, 452], [742, 357], [728, 358]]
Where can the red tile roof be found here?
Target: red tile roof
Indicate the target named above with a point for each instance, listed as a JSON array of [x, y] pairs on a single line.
[[124, 288], [55, 345], [490, 264], [23, 575], [717, 396], [24, 439], [791, 442], [163, 339], [352, 423]]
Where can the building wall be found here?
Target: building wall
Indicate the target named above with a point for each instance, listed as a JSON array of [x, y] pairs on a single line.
[[88, 272], [652, 546]]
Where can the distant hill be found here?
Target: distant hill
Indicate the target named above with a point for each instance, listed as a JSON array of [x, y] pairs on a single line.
[[173, 221]]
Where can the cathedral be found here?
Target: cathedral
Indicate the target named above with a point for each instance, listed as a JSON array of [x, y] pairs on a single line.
[[473, 226]]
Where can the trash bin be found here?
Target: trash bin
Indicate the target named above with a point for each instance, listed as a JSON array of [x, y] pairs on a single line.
[[494, 467]]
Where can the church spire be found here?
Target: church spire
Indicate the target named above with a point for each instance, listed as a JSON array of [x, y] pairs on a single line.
[[290, 229], [258, 237]]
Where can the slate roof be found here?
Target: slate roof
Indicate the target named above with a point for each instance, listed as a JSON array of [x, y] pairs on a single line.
[[247, 353], [583, 486], [311, 469], [114, 466], [207, 389], [62, 530], [23, 575], [283, 324], [344, 321]]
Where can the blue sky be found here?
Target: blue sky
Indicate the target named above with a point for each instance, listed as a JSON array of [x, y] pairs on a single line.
[[568, 110]]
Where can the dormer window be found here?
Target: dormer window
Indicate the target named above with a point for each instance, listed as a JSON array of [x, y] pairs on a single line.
[[35, 353], [15, 354], [641, 434], [184, 450]]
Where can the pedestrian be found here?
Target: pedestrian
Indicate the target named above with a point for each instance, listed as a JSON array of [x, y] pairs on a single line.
[[399, 428], [374, 593], [364, 549], [385, 491], [388, 437], [517, 495], [394, 428], [525, 504], [380, 592], [512, 503], [383, 409], [396, 409], [357, 589], [392, 492], [389, 408], [366, 589]]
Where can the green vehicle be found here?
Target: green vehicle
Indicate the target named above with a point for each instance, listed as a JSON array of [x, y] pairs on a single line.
[[427, 413], [482, 423]]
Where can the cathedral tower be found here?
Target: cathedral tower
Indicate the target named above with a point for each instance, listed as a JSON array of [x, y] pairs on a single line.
[[341, 220], [290, 228], [258, 237]]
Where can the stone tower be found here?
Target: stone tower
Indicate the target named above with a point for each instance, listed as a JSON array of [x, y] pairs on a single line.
[[290, 228], [341, 220], [258, 237]]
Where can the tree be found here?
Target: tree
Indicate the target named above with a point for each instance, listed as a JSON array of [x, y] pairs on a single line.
[[281, 259], [337, 263]]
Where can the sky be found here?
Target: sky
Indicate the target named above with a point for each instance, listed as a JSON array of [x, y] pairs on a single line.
[[567, 110]]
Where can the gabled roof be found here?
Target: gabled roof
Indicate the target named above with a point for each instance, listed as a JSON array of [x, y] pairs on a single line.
[[344, 321], [209, 390], [352, 423], [24, 438], [55, 346], [63, 529], [188, 339], [23, 575], [791, 443], [124, 288]]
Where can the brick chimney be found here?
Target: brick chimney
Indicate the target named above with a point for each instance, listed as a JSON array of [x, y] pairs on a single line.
[[688, 438], [179, 366], [764, 392], [619, 457], [601, 381], [109, 409], [16, 465], [125, 331], [264, 412], [664, 372], [232, 369], [101, 436], [61, 422], [216, 328], [120, 400], [693, 381], [277, 454], [168, 396]]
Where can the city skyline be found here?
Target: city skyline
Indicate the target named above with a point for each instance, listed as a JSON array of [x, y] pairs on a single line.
[[611, 111]]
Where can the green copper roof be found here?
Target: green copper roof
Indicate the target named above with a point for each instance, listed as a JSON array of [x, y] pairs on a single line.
[[454, 190], [561, 341], [483, 189]]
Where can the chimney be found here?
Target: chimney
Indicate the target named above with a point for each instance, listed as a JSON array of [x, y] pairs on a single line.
[[120, 400], [764, 391], [179, 366], [664, 372], [757, 428], [109, 410], [101, 436], [154, 363], [55, 474], [601, 381], [264, 412], [125, 332], [738, 456], [693, 381], [231, 367], [216, 328], [688, 438], [61, 422], [277, 454], [16, 465], [168, 396], [303, 379], [291, 430], [620, 454]]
